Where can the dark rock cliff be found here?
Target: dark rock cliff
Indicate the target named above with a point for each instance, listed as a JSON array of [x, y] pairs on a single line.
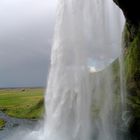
[[131, 10]]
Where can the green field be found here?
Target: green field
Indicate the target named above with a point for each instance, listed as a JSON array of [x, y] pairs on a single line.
[[22, 103]]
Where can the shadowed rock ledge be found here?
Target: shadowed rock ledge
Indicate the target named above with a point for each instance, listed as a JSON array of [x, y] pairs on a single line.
[[131, 10]]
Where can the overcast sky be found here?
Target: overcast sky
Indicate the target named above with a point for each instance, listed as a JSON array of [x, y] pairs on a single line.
[[26, 30], [26, 36]]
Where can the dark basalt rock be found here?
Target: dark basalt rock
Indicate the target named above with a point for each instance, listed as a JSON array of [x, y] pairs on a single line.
[[131, 10]]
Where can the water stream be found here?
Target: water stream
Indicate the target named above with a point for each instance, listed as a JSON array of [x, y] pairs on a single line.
[[14, 123]]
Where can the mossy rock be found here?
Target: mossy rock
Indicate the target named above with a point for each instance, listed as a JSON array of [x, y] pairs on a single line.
[[132, 63], [132, 73]]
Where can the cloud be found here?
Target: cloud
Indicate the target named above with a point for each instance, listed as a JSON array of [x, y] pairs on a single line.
[[26, 36], [26, 32]]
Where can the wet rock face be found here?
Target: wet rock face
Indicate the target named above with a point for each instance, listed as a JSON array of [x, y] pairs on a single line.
[[132, 71], [131, 10]]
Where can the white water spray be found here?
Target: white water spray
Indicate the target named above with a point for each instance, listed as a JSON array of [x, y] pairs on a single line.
[[82, 26]]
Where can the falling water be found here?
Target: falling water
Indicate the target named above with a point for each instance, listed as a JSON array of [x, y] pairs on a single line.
[[80, 106], [82, 25]]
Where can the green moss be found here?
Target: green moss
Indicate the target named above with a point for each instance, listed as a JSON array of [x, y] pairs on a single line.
[[132, 71], [134, 103], [132, 59]]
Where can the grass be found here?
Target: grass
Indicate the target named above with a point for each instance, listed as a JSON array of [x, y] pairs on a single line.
[[22, 103], [2, 123]]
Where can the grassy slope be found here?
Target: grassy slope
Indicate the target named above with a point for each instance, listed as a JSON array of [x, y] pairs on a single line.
[[27, 103]]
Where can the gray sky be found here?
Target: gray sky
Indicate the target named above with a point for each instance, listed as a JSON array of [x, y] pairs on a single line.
[[26, 30], [26, 36]]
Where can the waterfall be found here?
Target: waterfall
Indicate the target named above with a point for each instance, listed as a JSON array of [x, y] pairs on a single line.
[[80, 106], [82, 26]]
